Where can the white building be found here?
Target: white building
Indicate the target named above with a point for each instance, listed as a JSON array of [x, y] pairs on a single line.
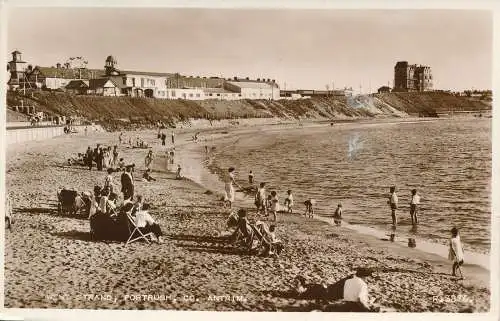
[[254, 89]]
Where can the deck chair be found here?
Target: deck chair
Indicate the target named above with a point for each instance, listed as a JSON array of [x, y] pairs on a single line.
[[135, 229], [273, 247]]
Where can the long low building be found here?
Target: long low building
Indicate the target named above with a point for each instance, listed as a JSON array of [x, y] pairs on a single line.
[[114, 82]]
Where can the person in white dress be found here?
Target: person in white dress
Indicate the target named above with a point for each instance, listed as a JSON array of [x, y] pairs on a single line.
[[456, 253], [229, 183]]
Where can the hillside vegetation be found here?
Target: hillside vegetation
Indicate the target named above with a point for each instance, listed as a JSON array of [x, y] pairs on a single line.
[[129, 109]]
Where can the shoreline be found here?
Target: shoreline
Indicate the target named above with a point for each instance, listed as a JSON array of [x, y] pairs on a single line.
[[58, 248], [479, 263]]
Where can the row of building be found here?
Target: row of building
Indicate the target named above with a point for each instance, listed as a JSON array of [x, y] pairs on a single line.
[[113, 82]]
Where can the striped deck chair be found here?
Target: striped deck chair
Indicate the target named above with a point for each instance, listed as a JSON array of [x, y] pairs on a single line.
[[134, 230]]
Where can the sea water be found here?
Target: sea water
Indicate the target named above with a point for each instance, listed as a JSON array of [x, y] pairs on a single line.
[[447, 161]]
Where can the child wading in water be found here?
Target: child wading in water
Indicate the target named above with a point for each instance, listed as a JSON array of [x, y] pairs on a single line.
[[274, 204], [309, 207], [289, 201], [337, 216], [456, 253]]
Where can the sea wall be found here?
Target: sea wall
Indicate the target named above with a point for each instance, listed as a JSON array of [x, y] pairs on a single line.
[[20, 135], [25, 134]]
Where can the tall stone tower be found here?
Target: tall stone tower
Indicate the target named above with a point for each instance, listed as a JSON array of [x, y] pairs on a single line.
[[110, 67], [17, 69]]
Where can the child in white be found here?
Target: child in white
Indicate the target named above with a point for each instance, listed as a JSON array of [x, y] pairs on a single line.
[[274, 204]]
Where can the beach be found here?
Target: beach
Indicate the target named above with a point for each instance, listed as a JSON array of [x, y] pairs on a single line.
[[50, 261]]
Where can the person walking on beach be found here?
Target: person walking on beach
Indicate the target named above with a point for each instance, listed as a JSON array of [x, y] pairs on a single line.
[[456, 253], [260, 199], [393, 203], [89, 158], [120, 138], [173, 138], [229, 187], [86, 129], [414, 206], [337, 216], [127, 183]]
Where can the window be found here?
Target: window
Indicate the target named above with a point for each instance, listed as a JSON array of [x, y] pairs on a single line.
[[142, 82], [218, 95], [125, 80], [198, 95], [173, 93], [153, 82], [190, 95]]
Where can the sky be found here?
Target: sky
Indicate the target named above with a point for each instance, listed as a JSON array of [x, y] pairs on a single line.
[[306, 49]]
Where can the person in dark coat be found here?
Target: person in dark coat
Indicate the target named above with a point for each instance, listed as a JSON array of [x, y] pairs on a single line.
[[89, 158], [127, 183], [100, 159]]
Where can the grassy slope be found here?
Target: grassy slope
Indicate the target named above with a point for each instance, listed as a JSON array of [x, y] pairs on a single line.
[[108, 108]]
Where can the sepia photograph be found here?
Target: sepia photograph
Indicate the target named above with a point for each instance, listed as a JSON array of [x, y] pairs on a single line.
[[248, 159]]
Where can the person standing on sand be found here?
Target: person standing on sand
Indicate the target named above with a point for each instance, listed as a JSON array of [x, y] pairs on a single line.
[[337, 216], [393, 203], [163, 138], [414, 206], [289, 201], [115, 156], [229, 188], [250, 177], [456, 253], [275, 206], [173, 138], [120, 138], [86, 130], [89, 158], [149, 159], [127, 183], [178, 174], [100, 159], [260, 199]]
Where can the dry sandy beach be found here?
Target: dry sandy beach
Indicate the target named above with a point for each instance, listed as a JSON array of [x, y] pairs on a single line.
[[50, 261]]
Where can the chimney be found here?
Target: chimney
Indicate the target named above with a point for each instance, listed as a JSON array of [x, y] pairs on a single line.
[[235, 78]]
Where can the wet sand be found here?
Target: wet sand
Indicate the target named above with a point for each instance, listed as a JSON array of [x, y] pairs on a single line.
[[50, 261]]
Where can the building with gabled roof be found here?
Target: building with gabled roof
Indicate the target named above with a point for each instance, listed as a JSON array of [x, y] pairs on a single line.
[[103, 87]]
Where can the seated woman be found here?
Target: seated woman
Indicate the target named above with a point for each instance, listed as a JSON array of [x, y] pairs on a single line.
[[243, 228], [107, 204], [147, 177], [147, 224]]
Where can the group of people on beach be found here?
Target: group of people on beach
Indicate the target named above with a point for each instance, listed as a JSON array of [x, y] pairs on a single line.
[[103, 157]]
